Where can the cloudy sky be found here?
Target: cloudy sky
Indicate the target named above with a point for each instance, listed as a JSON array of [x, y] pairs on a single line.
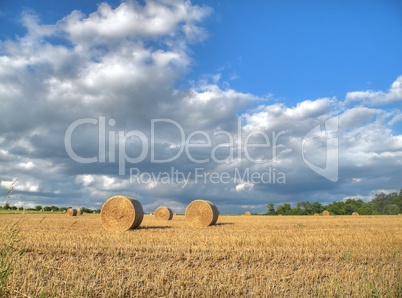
[[167, 101]]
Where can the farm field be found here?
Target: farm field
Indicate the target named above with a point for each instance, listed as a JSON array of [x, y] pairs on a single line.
[[241, 256]]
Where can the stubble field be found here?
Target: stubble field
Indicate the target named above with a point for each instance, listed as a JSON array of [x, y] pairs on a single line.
[[241, 256]]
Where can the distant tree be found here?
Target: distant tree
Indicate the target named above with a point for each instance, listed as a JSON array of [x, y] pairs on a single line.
[[381, 204], [86, 210], [297, 211], [381, 200], [365, 209], [302, 208], [6, 206], [38, 208], [284, 209], [316, 207], [350, 208], [337, 208], [271, 209], [47, 208], [391, 209]]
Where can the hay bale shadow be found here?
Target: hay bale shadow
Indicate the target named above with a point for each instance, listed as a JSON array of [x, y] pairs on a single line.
[[224, 223], [153, 227]]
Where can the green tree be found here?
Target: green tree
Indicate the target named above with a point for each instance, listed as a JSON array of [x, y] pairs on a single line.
[[284, 209], [365, 209], [316, 207], [381, 200], [271, 209], [337, 208], [54, 208], [391, 209], [38, 208]]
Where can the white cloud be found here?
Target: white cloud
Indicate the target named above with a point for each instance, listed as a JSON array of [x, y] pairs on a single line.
[[133, 21], [356, 117], [6, 184], [27, 165], [244, 186], [378, 97]]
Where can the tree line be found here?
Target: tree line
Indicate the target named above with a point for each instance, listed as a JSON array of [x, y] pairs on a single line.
[[47, 208], [387, 204]]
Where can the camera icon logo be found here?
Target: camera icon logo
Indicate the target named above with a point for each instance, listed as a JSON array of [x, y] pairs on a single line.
[[320, 149]]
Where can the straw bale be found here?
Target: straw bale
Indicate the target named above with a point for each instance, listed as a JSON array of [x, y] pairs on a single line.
[[121, 213], [72, 212], [163, 213], [201, 213]]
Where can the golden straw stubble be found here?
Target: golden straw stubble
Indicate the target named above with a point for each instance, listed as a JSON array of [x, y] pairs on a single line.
[[201, 213], [121, 213], [163, 213]]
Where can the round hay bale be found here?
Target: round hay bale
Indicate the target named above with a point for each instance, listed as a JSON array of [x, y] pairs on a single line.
[[201, 213], [72, 212], [316, 214], [325, 213], [247, 213], [355, 213], [163, 213], [80, 212], [121, 213]]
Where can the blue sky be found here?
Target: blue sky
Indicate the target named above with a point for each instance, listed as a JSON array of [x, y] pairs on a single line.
[[295, 50], [300, 50], [283, 66]]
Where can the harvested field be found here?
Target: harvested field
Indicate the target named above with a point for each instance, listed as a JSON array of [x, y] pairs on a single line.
[[258, 256]]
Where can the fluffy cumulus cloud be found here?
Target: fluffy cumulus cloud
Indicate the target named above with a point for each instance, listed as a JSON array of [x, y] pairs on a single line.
[[92, 107], [371, 97]]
